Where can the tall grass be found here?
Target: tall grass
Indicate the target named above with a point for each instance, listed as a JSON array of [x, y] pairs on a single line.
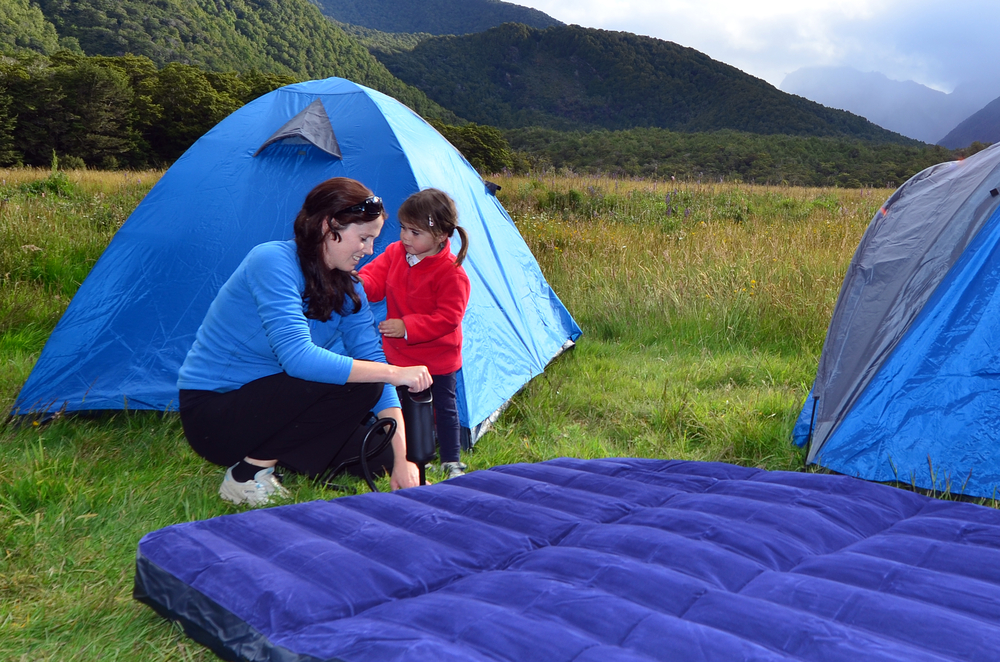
[[715, 265], [703, 309]]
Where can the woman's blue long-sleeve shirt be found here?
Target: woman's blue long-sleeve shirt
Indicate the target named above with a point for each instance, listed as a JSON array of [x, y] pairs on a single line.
[[257, 327]]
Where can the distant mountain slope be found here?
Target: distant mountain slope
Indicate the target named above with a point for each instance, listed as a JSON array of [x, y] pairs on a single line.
[[287, 37], [982, 126], [577, 78], [376, 40], [439, 17], [906, 107]]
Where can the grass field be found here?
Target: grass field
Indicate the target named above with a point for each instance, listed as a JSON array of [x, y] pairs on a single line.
[[703, 309]]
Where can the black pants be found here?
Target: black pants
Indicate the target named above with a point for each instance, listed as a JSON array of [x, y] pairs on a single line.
[[305, 425], [446, 416]]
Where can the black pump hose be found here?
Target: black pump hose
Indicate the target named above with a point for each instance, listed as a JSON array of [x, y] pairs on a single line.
[[380, 424]]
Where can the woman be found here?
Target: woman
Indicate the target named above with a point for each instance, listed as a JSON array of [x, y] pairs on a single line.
[[287, 362]]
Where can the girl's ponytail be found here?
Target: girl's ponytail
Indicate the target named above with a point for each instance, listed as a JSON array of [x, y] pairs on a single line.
[[465, 245]]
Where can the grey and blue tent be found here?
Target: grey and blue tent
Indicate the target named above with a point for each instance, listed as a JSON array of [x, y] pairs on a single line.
[[908, 384], [123, 337]]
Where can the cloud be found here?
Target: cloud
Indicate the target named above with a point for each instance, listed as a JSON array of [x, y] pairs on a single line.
[[937, 44], [947, 43]]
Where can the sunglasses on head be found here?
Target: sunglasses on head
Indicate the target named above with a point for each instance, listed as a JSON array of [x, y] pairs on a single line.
[[372, 206]]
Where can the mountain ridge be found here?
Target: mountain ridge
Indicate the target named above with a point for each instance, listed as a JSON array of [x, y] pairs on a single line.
[[436, 17], [983, 126], [574, 78], [906, 107]]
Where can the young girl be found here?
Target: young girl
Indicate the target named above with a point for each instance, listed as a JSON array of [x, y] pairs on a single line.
[[426, 291]]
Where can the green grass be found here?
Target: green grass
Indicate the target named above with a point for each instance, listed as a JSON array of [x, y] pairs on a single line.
[[605, 399], [703, 309]]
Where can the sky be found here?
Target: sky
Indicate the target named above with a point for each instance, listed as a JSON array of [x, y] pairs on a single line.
[[939, 44]]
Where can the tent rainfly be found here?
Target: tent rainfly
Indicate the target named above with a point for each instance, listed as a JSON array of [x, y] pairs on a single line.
[[908, 383]]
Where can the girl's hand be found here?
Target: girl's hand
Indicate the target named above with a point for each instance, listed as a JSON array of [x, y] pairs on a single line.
[[416, 378], [404, 474], [394, 328]]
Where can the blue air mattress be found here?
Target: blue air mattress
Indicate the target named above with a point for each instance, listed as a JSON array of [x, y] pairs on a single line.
[[599, 560]]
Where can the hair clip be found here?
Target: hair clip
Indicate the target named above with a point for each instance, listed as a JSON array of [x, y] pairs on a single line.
[[430, 220]]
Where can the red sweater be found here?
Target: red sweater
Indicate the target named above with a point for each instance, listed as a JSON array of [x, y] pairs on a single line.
[[430, 297]]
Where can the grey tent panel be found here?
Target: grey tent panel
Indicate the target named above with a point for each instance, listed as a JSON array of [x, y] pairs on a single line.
[[907, 250], [309, 127]]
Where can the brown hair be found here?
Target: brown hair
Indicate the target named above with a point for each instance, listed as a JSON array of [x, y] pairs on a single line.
[[434, 211], [325, 208]]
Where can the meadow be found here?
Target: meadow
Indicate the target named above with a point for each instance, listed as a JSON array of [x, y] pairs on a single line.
[[703, 307]]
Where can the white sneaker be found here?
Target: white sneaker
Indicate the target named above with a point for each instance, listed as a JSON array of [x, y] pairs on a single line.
[[256, 492], [454, 469]]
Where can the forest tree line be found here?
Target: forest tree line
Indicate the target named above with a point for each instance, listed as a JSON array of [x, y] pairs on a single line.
[[727, 155], [113, 112]]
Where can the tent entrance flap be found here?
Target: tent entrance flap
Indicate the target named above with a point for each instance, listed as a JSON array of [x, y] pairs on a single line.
[[309, 127]]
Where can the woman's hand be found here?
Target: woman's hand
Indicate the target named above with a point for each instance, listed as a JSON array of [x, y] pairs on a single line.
[[416, 378], [404, 474]]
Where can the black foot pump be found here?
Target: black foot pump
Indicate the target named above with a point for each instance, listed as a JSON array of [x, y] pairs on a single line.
[[418, 416]]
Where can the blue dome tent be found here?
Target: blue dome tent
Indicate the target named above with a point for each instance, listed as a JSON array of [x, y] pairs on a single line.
[[908, 384], [121, 341]]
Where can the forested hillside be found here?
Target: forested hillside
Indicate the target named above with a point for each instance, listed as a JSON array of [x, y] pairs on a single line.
[[286, 37], [433, 16], [577, 78]]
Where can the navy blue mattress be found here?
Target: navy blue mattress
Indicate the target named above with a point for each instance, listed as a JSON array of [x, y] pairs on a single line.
[[591, 560]]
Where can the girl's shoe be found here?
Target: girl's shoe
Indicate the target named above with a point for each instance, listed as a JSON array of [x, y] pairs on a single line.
[[256, 492], [454, 469]]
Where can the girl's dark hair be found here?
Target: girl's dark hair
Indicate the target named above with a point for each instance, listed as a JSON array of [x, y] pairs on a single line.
[[325, 208], [433, 210]]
